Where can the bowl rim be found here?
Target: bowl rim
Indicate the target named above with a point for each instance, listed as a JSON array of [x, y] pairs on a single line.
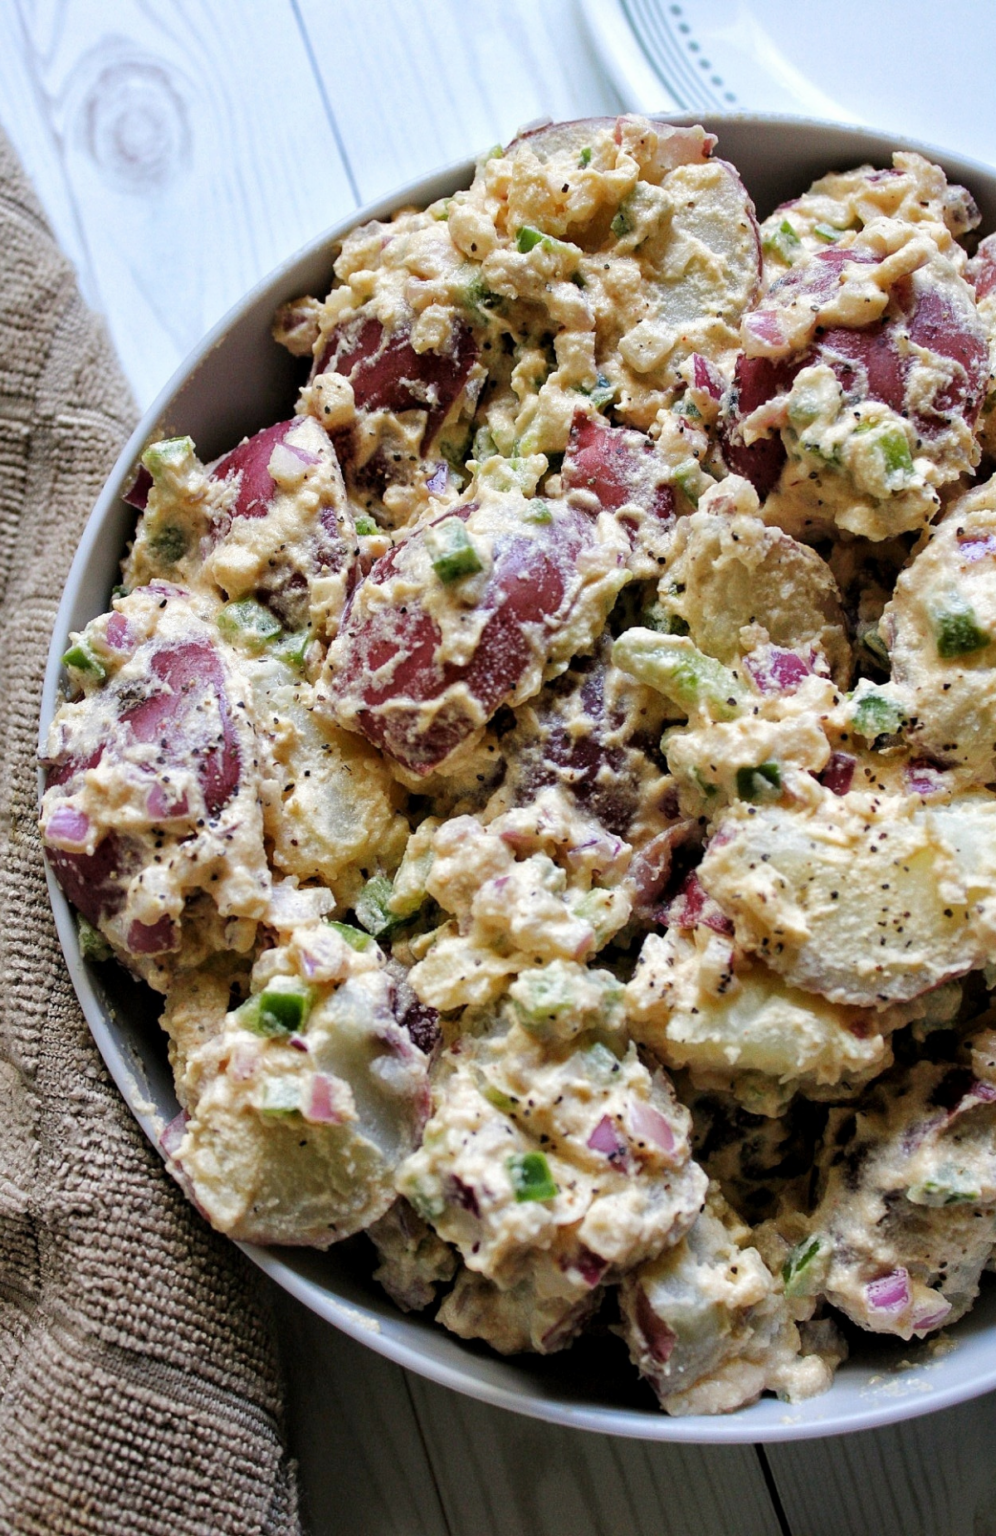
[[767, 1421]]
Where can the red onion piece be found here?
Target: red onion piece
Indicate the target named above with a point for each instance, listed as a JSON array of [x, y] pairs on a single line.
[[605, 1138], [323, 1100], [137, 494], [838, 775], [923, 778], [929, 1314], [645, 1123], [977, 546], [118, 633], [173, 1133], [775, 670], [694, 907], [889, 1293], [658, 1337], [68, 825]]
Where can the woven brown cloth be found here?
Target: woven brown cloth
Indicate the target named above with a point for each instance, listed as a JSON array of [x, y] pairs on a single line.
[[139, 1388]]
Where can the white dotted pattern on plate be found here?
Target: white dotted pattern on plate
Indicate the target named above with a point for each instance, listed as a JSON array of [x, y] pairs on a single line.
[[666, 39]]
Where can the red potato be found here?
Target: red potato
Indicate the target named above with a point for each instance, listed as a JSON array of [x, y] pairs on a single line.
[[618, 465], [981, 270], [677, 146], [387, 374], [182, 712], [872, 363], [529, 594], [250, 460]]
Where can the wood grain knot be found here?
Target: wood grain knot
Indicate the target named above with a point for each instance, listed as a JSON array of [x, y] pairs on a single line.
[[136, 127]]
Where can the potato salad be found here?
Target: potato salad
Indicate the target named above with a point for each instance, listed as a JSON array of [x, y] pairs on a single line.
[[550, 777]]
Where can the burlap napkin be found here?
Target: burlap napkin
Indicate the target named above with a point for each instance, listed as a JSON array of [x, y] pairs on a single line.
[[139, 1389]]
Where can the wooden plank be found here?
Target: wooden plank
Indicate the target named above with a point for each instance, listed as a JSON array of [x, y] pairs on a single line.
[[194, 148], [449, 79], [363, 1469], [500, 1474], [933, 1476]]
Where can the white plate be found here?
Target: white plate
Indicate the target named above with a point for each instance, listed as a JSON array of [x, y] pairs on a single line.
[[909, 66], [237, 381]]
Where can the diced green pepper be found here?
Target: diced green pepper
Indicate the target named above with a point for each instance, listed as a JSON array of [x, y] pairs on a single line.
[[957, 630], [622, 224], [783, 242], [427, 1203], [167, 454], [365, 526], [169, 543], [585, 157], [354, 937], [276, 1010], [93, 946], [664, 620], [875, 715], [79, 658], [806, 1267], [293, 648], [947, 1191], [761, 783], [690, 479], [604, 392], [531, 1177], [249, 623], [827, 233], [599, 1063], [674, 666], [537, 511], [547, 998], [871, 640], [496, 1098], [452, 550], [279, 1096], [484, 446], [372, 906], [120, 591], [527, 238]]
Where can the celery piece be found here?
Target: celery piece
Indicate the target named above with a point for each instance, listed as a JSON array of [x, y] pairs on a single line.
[[944, 1191], [827, 233], [372, 906], [484, 446], [956, 629], [279, 1096], [480, 299], [603, 394], [688, 478], [93, 946], [169, 543], [427, 1203], [537, 511], [354, 937], [79, 658], [120, 591], [622, 224], [599, 1063], [497, 1099], [249, 623], [761, 783], [169, 453], [365, 526], [805, 1270], [550, 996], [293, 648], [895, 450], [531, 1177], [452, 551], [527, 238], [675, 667], [276, 1010], [874, 715], [584, 158], [783, 242]]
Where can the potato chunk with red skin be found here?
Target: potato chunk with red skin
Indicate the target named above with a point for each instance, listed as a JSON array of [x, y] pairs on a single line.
[[925, 358], [147, 786], [906, 1215], [389, 673]]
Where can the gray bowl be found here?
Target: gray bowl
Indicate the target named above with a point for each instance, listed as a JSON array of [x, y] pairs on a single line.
[[235, 382]]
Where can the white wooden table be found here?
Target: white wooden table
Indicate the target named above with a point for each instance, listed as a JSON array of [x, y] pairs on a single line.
[[182, 149]]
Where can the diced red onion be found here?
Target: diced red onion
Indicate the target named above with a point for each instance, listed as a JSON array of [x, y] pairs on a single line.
[[67, 825], [929, 1314], [838, 775], [161, 807], [323, 1100], [658, 1337], [462, 1194], [977, 546], [693, 906], [173, 1133], [605, 1138], [437, 480], [775, 670], [590, 1266], [889, 1293], [118, 633], [645, 1123], [137, 494], [923, 778]]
